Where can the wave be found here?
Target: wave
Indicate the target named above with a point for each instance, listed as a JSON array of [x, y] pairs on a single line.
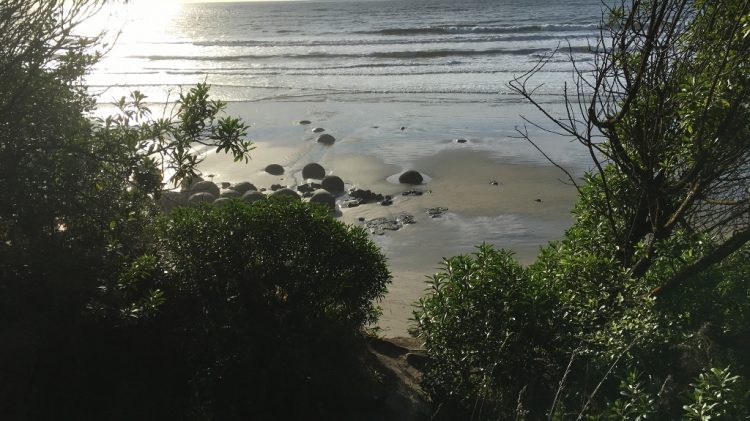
[[466, 29], [418, 54]]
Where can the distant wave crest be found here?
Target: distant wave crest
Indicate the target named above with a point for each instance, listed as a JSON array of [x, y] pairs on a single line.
[[467, 29]]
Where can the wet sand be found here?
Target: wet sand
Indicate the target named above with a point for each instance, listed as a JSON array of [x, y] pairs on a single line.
[[503, 196]]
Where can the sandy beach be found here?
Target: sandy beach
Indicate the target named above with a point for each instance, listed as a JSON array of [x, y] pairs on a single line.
[[494, 188]]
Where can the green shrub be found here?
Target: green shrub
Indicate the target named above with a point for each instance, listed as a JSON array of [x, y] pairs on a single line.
[[272, 297], [486, 328]]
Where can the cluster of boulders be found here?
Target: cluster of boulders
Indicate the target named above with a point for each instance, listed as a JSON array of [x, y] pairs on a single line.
[[378, 226]]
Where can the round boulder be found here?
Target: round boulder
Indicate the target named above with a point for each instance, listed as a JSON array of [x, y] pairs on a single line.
[[205, 186], [230, 193], [253, 196], [313, 170], [285, 192], [324, 198], [332, 183], [275, 169], [169, 199], [410, 177], [199, 197], [187, 183], [221, 201], [326, 139], [243, 186], [318, 130]]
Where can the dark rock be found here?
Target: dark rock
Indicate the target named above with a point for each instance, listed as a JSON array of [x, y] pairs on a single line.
[[304, 122], [252, 196], [313, 170], [366, 196], [243, 187], [324, 198], [352, 204], [407, 219], [285, 192], [460, 140], [202, 196], [225, 184], [275, 187], [307, 194], [386, 202], [275, 169], [412, 192], [308, 187], [411, 177], [334, 184], [221, 201], [361, 219], [378, 226], [326, 139], [205, 186], [318, 130], [262, 189], [230, 193], [169, 199], [403, 128], [436, 212], [538, 200], [494, 183], [188, 182]]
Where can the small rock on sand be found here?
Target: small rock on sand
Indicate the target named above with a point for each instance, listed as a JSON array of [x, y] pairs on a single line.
[[304, 122], [326, 139], [436, 212], [318, 130], [275, 169], [461, 140]]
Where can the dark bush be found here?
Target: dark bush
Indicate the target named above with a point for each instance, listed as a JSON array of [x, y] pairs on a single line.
[[272, 299]]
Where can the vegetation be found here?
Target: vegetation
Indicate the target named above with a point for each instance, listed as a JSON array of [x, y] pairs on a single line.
[[640, 311], [109, 310]]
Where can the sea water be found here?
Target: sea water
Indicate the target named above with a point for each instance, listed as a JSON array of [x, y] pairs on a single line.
[[431, 50]]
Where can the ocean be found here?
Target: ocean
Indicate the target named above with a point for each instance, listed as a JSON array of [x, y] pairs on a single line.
[[432, 50]]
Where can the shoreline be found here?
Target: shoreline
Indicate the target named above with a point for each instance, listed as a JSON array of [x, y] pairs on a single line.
[[495, 189]]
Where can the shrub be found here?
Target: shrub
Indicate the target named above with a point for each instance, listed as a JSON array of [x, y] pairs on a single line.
[[486, 328], [272, 297]]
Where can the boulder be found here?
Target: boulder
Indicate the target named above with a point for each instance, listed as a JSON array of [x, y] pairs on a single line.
[[313, 170], [285, 192], [275, 169], [461, 141], [323, 197], [243, 187], [318, 130], [202, 196], [169, 199], [410, 177], [221, 201], [252, 196], [188, 182], [304, 122], [230, 193], [326, 139], [205, 186], [334, 184]]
